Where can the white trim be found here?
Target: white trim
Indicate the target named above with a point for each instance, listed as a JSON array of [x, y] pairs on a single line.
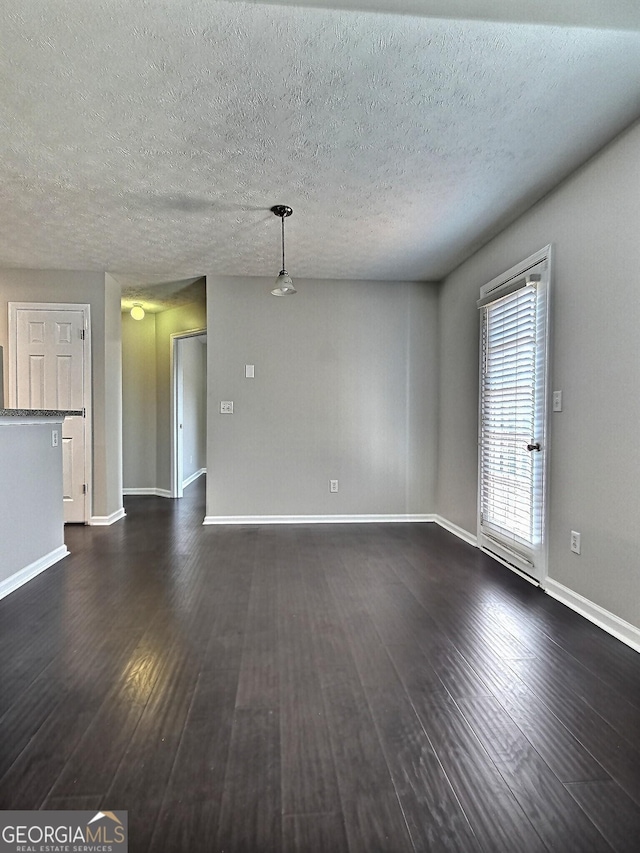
[[148, 491], [193, 477], [519, 269], [22, 576], [174, 368], [609, 622], [467, 537], [106, 520], [541, 558], [316, 519]]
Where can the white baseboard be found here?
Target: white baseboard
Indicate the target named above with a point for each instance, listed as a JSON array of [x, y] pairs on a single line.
[[315, 519], [193, 477], [609, 622], [106, 520], [24, 575], [147, 491], [470, 538]]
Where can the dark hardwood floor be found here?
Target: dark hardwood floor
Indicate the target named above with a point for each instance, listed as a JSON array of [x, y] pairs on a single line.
[[313, 688]]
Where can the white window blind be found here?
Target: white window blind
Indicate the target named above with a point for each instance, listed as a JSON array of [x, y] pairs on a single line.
[[510, 483]]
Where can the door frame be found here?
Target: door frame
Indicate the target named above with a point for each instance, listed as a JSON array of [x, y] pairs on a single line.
[[85, 308], [545, 254], [177, 490]]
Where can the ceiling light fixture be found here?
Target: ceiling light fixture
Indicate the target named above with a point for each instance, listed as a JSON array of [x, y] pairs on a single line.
[[137, 312], [284, 284]]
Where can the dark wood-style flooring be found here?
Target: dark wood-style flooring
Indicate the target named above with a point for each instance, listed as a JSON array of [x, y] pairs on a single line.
[[313, 688]]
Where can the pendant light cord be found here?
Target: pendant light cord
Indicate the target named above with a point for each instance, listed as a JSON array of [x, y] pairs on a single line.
[[283, 242]]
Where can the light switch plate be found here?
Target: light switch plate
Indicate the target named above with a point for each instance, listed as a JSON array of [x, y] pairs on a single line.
[[249, 371]]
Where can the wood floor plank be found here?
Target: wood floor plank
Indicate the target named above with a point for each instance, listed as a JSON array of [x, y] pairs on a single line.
[[251, 808], [556, 743], [611, 810], [431, 808], [199, 767], [459, 678], [496, 817], [74, 804], [183, 825], [608, 702], [92, 766], [364, 646], [613, 752], [372, 813], [21, 721], [140, 782], [31, 777], [569, 759], [314, 833], [309, 783], [557, 819]]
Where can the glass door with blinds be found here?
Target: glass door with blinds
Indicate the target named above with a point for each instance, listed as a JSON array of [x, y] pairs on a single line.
[[513, 415]]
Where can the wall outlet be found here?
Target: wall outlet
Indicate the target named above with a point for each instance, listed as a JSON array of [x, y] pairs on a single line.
[[333, 485], [575, 541], [557, 401], [226, 407], [55, 438]]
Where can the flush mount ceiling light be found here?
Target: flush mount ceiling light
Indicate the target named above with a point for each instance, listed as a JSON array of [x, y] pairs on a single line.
[[137, 312], [284, 284]]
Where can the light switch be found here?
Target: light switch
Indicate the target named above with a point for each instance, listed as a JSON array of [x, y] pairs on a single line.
[[249, 371], [226, 407]]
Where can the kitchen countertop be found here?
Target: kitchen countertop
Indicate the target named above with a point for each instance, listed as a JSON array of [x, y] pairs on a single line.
[[39, 413]]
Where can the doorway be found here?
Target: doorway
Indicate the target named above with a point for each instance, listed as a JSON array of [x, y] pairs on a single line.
[[513, 429], [188, 408], [50, 368]]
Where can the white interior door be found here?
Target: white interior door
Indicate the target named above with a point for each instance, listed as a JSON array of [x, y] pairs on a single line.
[[513, 416], [49, 373]]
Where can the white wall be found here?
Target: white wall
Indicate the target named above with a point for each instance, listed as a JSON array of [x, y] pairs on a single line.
[[194, 405], [593, 220], [176, 320], [345, 388], [110, 396], [31, 509], [103, 295], [139, 402]]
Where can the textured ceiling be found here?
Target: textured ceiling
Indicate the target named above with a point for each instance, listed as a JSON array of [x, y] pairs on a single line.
[[613, 14], [150, 139], [156, 294]]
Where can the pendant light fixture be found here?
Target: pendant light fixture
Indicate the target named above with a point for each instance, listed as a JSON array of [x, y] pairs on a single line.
[[137, 312], [284, 284]]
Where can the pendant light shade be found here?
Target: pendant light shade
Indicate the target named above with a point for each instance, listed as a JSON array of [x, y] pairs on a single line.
[[284, 284]]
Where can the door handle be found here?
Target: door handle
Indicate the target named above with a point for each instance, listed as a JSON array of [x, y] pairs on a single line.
[[535, 446]]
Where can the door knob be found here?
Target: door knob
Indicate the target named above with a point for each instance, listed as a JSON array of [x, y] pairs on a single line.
[[535, 446]]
